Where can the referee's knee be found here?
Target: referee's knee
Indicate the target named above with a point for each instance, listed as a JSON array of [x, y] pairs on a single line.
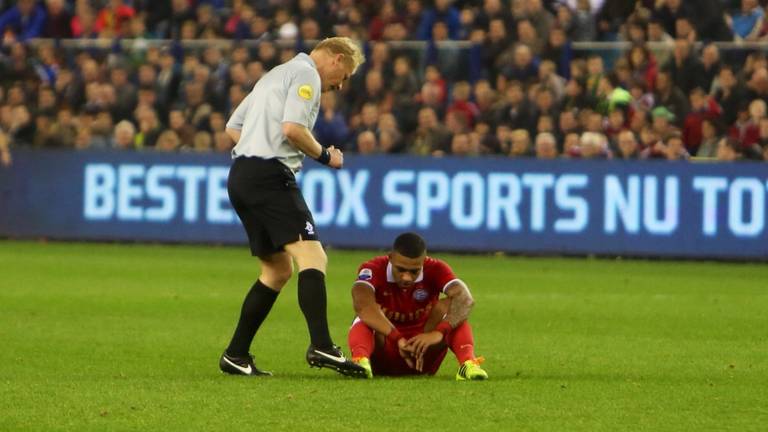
[[308, 254]]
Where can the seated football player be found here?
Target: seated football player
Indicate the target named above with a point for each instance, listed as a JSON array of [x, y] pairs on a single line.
[[403, 327]]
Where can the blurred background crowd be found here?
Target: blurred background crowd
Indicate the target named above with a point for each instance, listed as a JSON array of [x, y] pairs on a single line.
[[518, 78]]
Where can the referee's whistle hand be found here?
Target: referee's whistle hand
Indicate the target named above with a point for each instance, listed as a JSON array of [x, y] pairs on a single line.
[[337, 157]]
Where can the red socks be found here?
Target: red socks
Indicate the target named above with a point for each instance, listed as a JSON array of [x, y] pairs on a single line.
[[460, 340], [361, 341], [462, 343]]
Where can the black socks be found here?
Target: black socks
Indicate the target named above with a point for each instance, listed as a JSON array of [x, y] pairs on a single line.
[[313, 303], [256, 306]]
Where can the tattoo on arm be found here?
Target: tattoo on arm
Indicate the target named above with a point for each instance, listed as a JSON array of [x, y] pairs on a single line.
[[461, 303]]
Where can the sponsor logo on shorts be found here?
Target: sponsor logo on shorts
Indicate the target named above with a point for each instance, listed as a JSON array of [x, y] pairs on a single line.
[[309, 229], [365, 274], [420, 294], [305, 92]]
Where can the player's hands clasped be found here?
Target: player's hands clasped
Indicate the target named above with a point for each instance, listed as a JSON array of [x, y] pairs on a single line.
[[337, 157], [420, 343], [406, 352]]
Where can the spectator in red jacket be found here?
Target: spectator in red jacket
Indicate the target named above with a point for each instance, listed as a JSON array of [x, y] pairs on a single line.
[[702, 106]]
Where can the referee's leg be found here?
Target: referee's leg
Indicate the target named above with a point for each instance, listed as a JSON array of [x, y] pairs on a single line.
[[312, 261], [276, 269]]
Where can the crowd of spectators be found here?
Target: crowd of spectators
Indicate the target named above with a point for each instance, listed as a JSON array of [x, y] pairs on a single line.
[[515, 86]]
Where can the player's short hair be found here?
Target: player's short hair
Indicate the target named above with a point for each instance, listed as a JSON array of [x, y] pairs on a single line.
[[410, 245], [345, 46]]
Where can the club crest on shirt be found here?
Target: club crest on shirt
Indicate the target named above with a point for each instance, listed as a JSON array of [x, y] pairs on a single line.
[[420, 294], [305, 92], [309, 229], [365, 274]]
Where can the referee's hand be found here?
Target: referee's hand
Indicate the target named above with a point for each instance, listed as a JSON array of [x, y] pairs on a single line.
[[337, 157]]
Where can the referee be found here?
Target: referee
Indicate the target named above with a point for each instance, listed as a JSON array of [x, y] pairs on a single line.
[[271, 127]]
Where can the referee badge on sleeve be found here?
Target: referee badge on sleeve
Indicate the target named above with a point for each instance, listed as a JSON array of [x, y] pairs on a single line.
[[305, 92]]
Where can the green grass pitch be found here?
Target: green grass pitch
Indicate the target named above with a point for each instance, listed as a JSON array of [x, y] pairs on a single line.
[[97, 337]]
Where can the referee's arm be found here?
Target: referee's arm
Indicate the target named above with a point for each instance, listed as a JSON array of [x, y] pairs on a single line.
[[301, 138], [234, 134]]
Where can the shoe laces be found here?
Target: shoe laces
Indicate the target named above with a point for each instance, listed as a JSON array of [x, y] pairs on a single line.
[[478, 360]]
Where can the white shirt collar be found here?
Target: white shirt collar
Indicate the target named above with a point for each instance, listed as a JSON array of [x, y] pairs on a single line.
[[391, 277]]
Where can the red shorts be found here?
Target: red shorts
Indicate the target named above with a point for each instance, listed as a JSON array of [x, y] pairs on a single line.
[[386, 360]]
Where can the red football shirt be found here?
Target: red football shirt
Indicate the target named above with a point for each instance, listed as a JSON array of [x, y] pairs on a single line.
[[406, 307]]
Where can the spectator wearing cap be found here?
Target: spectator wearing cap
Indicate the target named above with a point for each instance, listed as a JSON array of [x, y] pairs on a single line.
[[24, 21], [663, 121]]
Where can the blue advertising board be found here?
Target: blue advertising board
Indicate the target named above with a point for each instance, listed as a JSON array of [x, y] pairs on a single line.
[[649, 208]]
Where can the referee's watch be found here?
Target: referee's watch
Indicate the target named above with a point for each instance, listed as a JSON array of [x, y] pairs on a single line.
[[325, 156]]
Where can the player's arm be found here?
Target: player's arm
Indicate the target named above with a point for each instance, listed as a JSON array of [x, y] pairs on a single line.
[[364, 302], [461, 303], [460, 306]]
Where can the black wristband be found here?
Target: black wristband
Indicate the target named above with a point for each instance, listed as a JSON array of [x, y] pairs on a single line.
[[325, 157]]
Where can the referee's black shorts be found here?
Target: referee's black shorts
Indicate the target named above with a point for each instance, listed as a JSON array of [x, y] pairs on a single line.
[[268, 201]]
